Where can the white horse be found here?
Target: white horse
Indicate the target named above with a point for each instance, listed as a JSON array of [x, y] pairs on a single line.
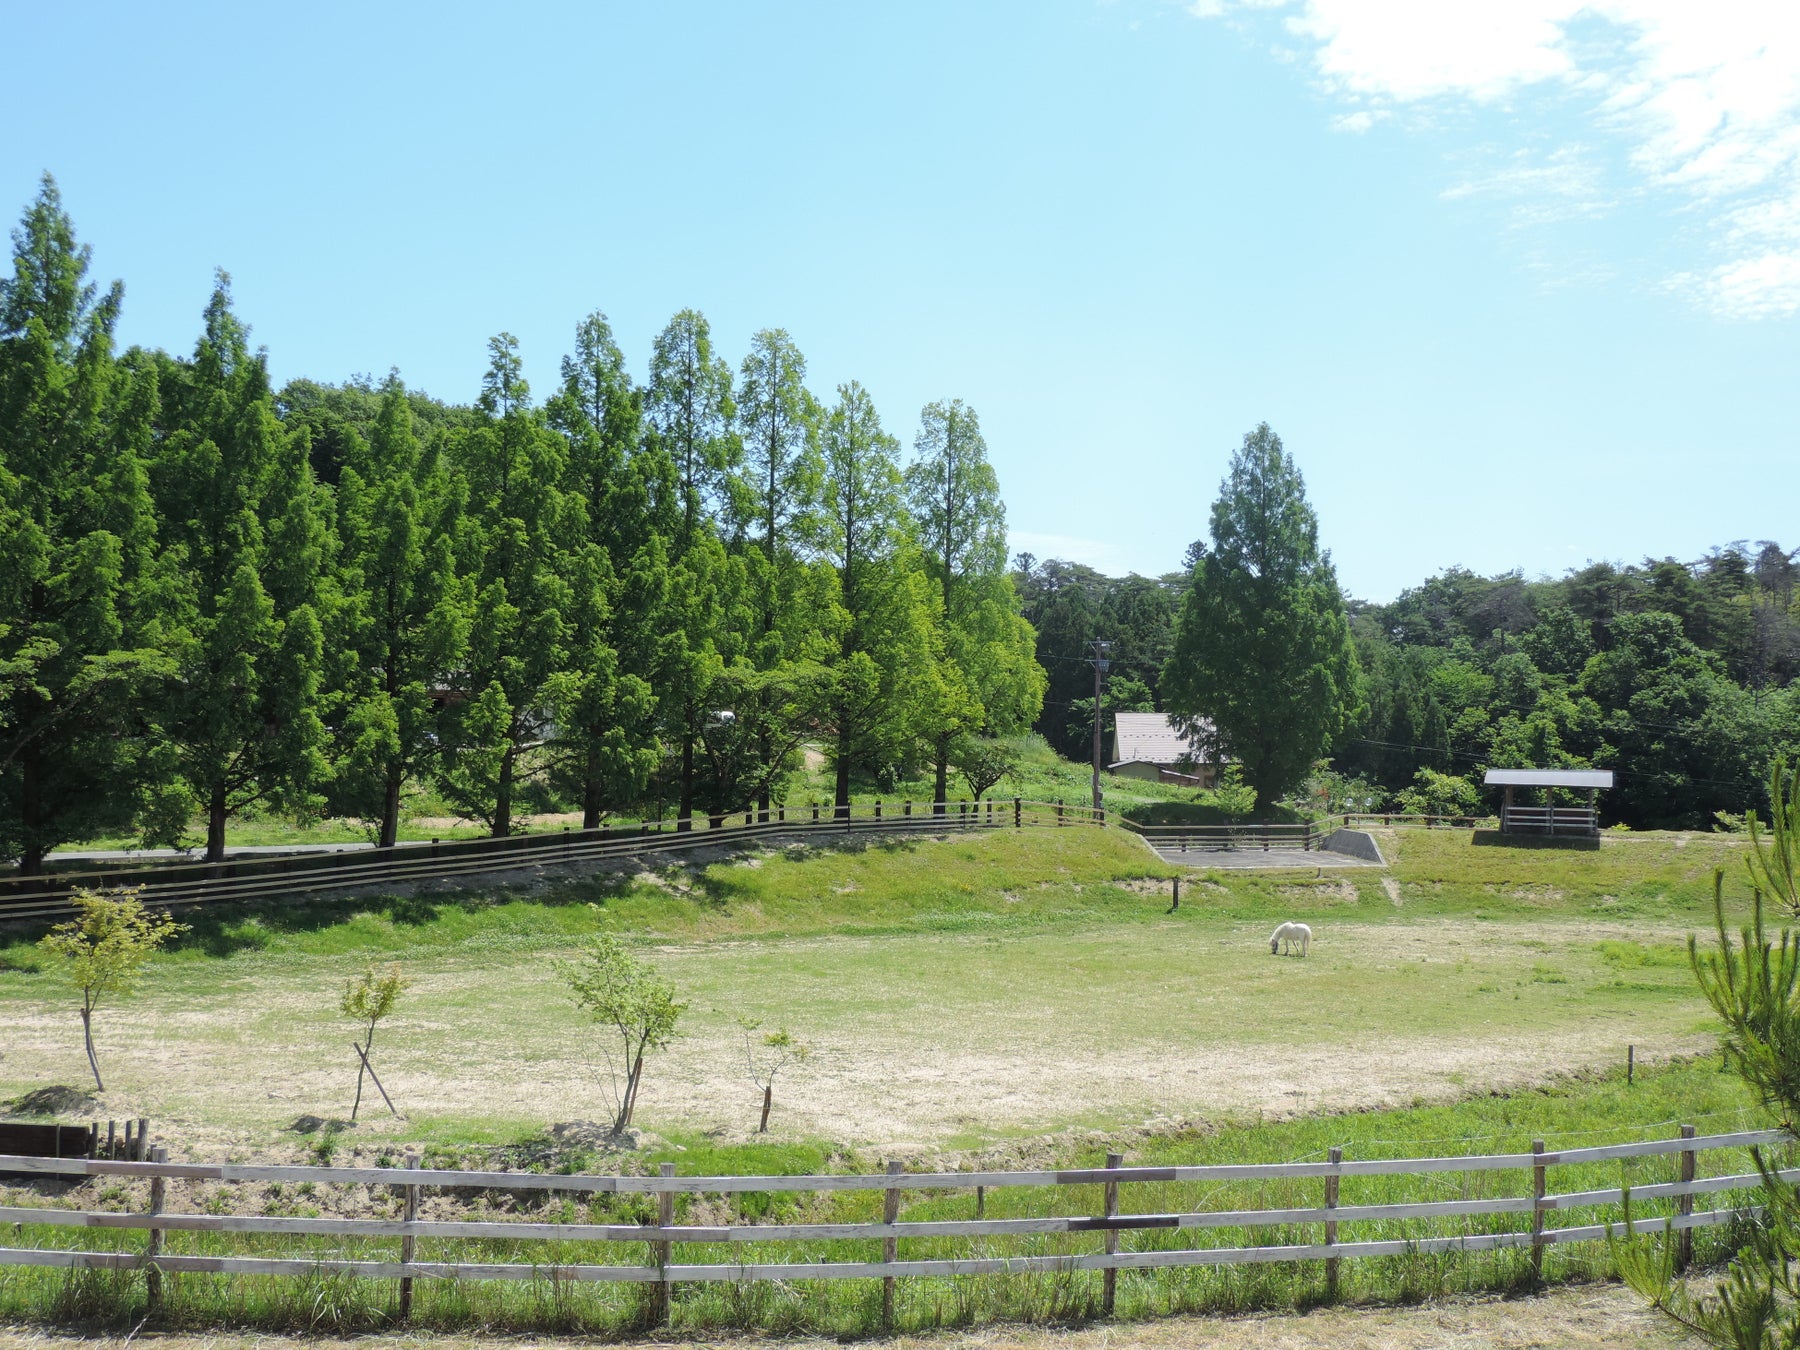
[[1296, 935]]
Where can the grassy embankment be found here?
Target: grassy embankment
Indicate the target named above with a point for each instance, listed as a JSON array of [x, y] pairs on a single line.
[[1042, 775], [961, 995]]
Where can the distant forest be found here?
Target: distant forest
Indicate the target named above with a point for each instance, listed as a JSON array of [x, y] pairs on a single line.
[[1677, 675]]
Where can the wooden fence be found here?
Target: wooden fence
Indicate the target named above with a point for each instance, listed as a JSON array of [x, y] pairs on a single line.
[[264, 877], [1308, 836], [1114, 1218], [1402, 819]]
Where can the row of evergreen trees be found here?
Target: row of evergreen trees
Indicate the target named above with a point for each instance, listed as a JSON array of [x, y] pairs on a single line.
[[218, 597]]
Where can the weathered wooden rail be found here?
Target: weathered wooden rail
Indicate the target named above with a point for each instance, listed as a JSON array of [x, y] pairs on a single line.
[[1307, 836], [1114, 1219], [279, 876]]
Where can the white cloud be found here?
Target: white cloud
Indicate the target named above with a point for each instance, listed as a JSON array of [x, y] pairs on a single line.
[[1703, 98]]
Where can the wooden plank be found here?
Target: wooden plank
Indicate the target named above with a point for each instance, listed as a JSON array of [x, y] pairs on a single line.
[[1704, 1143], [232, 1172], [792, 1271]]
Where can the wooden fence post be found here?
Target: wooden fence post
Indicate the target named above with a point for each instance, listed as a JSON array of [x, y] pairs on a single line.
[[1018, 812], [878, 808], [1334, 1157], [1684, 1206], [665, 1216], [890, 1247], [411, 1216], [1176, 895], [1109, 1285], [1537, 1212], [153, 1288]]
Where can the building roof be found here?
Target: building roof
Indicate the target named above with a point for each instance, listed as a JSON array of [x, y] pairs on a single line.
[[1563, 778], [1150, 738]]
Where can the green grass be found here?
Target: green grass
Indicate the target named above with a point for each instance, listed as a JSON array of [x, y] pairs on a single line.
[[955, 992], [1571, 1113], [1026, 994]]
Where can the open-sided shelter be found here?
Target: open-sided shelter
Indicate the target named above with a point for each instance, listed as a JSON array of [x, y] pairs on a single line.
[[1547, 817]]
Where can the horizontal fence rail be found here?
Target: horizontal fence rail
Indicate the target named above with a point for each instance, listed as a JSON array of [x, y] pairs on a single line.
[[279, 876], [1308, 837], [1402, 819], [1113, 1221]]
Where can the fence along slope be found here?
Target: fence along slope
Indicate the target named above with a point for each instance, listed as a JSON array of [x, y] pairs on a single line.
[[183, 884], [159, 1222]]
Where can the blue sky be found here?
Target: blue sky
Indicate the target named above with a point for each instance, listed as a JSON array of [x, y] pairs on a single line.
[[1515, 280]]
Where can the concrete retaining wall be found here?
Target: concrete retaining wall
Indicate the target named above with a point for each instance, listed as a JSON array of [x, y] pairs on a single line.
[[1355, 844]]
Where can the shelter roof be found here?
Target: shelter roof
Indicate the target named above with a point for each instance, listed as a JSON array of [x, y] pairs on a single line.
[[1150, 738], [1562, 778]]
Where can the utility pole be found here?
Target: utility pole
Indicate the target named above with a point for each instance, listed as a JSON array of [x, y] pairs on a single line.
[[1100, 664]]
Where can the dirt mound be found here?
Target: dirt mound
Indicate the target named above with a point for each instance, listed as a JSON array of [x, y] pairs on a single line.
[[59, 1099]]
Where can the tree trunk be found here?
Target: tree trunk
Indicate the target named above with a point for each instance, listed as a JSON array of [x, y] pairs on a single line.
[[503, 794], [87, 1039], [390, 806], [768, 1101], [629, 1104], [31, 854], [685, 808], [215, 824], [592, 789], [940, 789], [841, 798]]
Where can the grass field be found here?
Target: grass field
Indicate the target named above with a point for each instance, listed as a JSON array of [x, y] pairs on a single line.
[[956, 993], [1027, 996]]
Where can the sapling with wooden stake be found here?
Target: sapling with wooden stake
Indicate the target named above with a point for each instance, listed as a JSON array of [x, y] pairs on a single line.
[[103, 949], [631, 1001], [368, 999], [767, 1055]]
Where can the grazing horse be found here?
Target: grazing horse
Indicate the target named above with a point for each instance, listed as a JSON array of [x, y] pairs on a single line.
[[1296, 935]]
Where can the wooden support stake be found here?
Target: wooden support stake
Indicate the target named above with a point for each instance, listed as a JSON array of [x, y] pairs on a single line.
[[411, 1216], [981, 1202], [890, 1247], [363, 1055], [1630, 1063], [1176, 893], [1109, 1286], [1684, 1205], [1334, 1157], [153, 1289], [130, 1142], [112, 1139], [1537, 1213], [143, 1139]]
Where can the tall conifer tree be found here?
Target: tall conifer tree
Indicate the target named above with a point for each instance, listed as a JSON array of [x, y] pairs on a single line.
[[991, 676], [405, 613], [883, 675], [1262, 651], [515, 543], [80, 634], [237, 496]]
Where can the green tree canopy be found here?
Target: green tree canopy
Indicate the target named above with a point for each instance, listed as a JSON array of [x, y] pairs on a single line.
[[1262, 655]]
